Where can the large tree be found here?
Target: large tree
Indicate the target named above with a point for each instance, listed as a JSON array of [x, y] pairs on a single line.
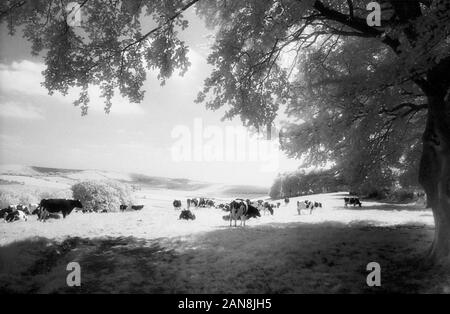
[[251, 76]]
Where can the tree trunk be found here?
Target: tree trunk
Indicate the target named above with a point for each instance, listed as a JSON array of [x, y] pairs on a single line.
[[434, 173]]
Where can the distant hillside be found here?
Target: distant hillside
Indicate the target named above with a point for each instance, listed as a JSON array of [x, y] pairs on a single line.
[[63, 178], [46, 170]]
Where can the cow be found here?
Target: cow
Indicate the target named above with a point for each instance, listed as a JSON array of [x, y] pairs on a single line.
[[192, 201], [137, 207], [176, 204], [352, 201], [5, 211], [210, 203], [123, 207], [186, 214], [201, 202], [43, 214], [16, 215], [307, 205], [278, 204], [59, 205], [242, 210], [301, 206], [286, 201], [267, 208]]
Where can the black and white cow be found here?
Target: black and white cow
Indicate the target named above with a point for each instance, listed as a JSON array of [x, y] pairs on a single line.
[[123, 207], [192, 202], [242, 210], [307, 205], [352, 201], [267, 208], [16, 215]]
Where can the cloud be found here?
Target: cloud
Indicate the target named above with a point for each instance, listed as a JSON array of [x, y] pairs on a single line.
[[19, 111], [24, 78]]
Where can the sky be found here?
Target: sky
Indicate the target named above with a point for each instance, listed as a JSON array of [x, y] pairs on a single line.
[[166, 135]]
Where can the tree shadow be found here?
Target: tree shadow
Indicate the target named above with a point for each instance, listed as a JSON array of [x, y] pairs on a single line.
[[387, 207], [280, 258]]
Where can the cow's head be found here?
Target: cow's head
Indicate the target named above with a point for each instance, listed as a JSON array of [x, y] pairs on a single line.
[[78, 204]]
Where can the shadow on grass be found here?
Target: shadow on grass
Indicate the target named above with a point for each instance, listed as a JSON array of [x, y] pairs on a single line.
[[387, 207], [280, 258]]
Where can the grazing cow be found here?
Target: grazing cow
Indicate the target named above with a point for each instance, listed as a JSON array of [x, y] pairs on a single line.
[[176, 204], [242, 210], [286, 201], [186, 214], [59, 205], [123, 207], [137, 207], [352, 201]]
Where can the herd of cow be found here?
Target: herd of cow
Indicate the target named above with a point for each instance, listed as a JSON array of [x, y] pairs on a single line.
[[239, 209], [49, 208]]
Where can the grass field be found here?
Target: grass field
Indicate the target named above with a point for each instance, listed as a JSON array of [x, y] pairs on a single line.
[[151, 251]]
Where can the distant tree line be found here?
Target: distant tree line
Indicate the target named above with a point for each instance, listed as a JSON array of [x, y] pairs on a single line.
[[392, 183]]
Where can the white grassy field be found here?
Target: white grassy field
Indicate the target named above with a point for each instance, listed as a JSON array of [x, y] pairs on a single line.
[[151, 251]]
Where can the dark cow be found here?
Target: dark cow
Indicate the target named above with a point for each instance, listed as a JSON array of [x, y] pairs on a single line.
[[352, 201], [252, 212], [278, 204], [186, 214], [123, 207], [59, 205], [137, 207], [176, 204], [286, 201]]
